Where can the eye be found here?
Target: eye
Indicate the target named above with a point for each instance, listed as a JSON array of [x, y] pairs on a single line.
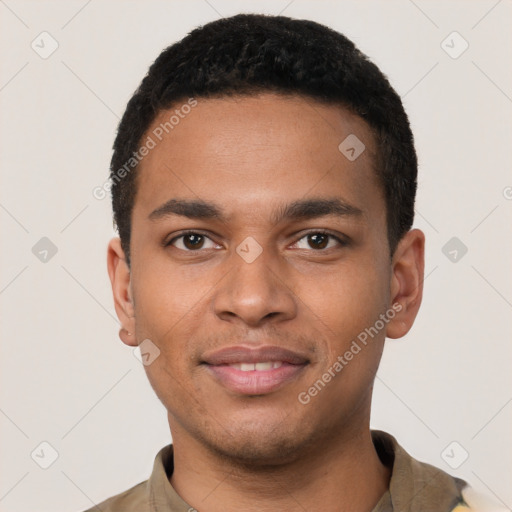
[[319, 240], [192, 241]]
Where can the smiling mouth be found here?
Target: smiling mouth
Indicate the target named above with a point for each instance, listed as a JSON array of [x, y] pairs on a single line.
[[255, 378], [260, 367], [246, 370]]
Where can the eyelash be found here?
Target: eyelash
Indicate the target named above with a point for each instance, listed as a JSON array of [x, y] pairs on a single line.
[[341, 242]]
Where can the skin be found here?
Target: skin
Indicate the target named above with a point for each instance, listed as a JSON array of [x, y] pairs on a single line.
[[250, 156]]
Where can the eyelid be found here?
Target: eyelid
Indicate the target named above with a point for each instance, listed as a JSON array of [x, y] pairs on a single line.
[[175, 236], [342, 240]]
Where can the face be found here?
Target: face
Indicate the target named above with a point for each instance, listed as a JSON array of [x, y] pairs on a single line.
[[259, 256]]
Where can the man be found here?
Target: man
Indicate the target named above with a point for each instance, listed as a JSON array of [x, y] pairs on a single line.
[[263, 184]]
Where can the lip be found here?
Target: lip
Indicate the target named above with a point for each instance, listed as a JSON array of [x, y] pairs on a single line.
[[254, 382], [244, 354]]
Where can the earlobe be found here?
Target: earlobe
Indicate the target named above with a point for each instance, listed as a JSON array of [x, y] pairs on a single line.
[[120, 280], [127, 337], [407, 282]]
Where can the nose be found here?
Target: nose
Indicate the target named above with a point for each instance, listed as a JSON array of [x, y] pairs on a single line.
[[255, 292]]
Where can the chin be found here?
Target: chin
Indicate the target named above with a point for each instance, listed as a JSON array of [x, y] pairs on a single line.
[[260, 445], [257, 453]]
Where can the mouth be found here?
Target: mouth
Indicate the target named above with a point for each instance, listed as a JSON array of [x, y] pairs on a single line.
[[260, 366], [254, 371]]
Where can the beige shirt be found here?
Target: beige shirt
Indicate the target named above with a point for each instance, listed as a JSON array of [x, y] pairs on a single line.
[[414, 486]]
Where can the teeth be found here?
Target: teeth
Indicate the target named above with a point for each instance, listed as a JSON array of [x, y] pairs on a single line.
[[262, 367]]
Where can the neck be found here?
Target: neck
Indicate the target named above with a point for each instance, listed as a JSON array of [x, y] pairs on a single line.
[[343, 476]]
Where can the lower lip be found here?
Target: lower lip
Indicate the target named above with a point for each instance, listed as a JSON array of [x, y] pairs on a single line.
[[255, 382]]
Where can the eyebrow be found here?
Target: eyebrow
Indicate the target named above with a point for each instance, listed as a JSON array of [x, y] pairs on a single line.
[[297, 210]]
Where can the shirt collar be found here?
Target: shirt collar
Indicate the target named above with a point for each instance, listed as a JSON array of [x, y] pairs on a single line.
[[413, 486], [162, 496]]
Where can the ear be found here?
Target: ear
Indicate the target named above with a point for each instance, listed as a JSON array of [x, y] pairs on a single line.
[[408, 267], [120, 279]]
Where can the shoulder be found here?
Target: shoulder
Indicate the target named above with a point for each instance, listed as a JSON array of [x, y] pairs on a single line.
[[134, 499], [139, 497], [474, 501], [416, 485]]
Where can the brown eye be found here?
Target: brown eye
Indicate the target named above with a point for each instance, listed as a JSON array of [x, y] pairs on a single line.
[[318, 240], [192, 241]]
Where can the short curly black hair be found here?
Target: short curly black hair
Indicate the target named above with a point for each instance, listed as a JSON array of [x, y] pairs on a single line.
[[248, 54]]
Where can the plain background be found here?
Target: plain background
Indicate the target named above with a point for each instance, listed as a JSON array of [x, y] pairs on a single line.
[[68, 380]]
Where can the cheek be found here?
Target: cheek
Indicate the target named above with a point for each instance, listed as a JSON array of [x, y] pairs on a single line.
[[347, 299], [167, 300], [166, 379], [351, 305]]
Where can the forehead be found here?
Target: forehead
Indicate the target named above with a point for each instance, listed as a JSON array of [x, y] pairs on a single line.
[[250, 151]]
